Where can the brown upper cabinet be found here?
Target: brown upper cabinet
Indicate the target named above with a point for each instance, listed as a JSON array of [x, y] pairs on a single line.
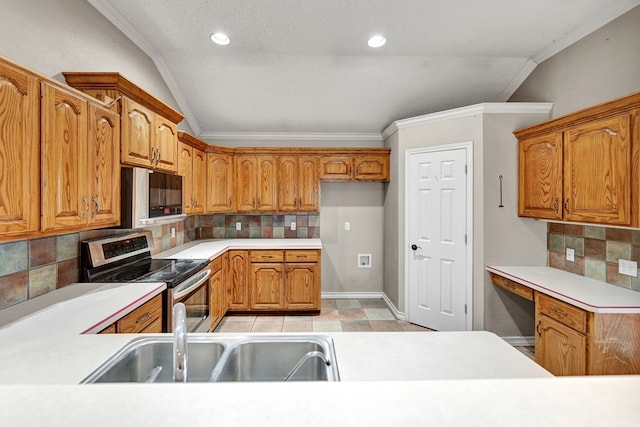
[[256, 183], [219, 183], [80, 162], [579, 167], [149, 136], [372, 165], [20, 147], [192, 165], [298, 184]]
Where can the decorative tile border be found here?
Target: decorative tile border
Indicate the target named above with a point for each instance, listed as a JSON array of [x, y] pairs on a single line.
[[597, 251]]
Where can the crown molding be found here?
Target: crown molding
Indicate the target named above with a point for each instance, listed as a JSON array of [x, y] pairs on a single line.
[[517, 80], [291, 136], [471, 110]]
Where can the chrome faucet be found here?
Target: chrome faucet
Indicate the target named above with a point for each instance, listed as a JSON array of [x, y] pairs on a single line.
[[320, 355], [179, 343]]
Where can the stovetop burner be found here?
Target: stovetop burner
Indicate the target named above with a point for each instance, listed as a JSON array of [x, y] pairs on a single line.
[[127, 258]]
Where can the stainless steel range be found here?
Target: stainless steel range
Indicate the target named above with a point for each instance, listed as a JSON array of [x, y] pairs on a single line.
[[127, 259]]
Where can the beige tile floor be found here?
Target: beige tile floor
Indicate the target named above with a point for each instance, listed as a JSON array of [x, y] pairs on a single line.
[[336, 315]]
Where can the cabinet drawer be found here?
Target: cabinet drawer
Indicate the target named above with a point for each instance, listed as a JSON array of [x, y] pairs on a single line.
[[216, 264], [142, 317], [301, 256], [516, 288], [266, 256], [564, 313]]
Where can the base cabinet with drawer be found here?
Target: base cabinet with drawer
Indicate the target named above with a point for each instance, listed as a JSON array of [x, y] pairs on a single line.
[[278, 281], [146, 319], [573, 341]]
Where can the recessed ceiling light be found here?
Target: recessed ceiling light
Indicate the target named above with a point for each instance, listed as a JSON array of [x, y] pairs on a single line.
[[377, 41], [220, 38]]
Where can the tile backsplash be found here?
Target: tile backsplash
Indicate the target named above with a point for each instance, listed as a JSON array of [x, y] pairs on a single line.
[[597, 251], [29, 268]]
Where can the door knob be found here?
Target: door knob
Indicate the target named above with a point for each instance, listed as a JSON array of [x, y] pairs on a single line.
[[414, 247]]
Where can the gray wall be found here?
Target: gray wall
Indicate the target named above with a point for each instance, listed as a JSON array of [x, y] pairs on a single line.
[[499, 236], [70, 35], [602, 66]]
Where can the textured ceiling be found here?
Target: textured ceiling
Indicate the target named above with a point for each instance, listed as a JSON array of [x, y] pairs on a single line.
[[302, 67]]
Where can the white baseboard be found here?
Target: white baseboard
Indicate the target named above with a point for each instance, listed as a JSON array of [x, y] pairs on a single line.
[[520, 341], [366, 295]]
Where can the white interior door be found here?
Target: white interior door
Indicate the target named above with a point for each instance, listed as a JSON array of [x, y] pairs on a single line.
[[438, 259]]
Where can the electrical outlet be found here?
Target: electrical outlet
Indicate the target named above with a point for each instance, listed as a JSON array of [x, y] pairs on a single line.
[[571, 254], [238, 226], [347, 226], [628, 268], [293, 225], [173, 232]]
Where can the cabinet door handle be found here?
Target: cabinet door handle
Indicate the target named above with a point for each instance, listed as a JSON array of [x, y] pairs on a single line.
[[86, 206], [158, 159], [538, 328], [96, 206], [558, 311], [153, 155], [566, 205], [555, 206], [230, 200]]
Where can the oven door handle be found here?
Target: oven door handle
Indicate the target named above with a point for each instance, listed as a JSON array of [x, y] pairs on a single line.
[[187, 286]]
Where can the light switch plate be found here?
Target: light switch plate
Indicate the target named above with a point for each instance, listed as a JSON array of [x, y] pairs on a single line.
[[571, 254], [347, 226], [293, 225], [238, 225], [628, 268]]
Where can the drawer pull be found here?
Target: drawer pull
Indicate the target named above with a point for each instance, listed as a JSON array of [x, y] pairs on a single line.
[[144, 318], [509, 285], [267, 256], [558, 311], [301, 256]]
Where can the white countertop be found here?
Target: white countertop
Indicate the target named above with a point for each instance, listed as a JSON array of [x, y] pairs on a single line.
[[394, 378], [209, 249], [588, 294]]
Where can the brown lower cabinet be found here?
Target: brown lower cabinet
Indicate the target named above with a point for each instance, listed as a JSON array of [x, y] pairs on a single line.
[[275, 281], [573, 341], [145, 319]]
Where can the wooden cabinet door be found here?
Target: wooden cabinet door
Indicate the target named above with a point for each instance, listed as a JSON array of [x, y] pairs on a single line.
[[185, 168], [267, 184], [288, 183], [65, 196], [246, 172], [302, 287], [336, 168], [165, 143], [216, 296], [19, 149], [371, 168], [219, 186], [597, 172], [238, 280], [308, 184], [137, 147], [267, 286], [199, 181], [540, 177], [559, 349], [103, 160]]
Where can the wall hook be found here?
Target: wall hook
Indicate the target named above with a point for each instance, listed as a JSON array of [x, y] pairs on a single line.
[[500, 205]]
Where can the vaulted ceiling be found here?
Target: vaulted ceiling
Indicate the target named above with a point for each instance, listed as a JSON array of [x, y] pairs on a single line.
[[303, 67]]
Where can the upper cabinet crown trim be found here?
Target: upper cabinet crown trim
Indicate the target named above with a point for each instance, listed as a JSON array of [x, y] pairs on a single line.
[[471, 110], [600, 111], [87, 81]]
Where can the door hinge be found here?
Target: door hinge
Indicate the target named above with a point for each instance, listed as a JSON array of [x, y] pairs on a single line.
[[465, 309], [465, 169], [465, 239]]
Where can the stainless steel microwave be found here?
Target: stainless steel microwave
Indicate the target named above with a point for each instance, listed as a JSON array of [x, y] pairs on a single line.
[[149, 197]]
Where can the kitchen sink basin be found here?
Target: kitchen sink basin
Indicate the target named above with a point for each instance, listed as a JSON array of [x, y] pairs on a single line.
[[136, 361], [223, 359], [274, 358]]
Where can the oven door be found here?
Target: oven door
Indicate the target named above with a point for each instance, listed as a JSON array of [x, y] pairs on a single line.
[[194, 294]]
